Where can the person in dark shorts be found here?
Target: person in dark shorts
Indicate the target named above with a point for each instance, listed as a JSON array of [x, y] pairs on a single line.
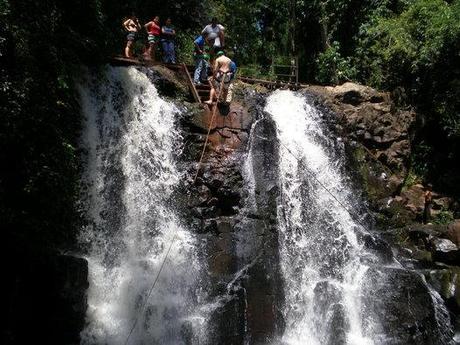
[[132, 26], [154, 31]]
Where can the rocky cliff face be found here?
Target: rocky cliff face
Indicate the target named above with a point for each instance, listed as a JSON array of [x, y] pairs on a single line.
[[241, 235], [243, 246]]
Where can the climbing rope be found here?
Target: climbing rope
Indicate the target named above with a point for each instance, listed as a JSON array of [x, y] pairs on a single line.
[[312, 174], [175, 233], [209, 129], [151, 289]]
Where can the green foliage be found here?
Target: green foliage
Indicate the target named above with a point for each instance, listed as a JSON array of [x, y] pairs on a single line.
[[405, 45], [444, 217], [256, 31], [334, 68], [256, 71], [411, 179], [185, 46]]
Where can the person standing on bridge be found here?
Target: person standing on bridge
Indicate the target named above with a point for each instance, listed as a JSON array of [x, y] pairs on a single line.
[[201, 59], [167, 41], [154, 30], [132, 26], [215, 35]]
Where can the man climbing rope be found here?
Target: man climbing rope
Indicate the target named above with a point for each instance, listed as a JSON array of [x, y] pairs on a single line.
[[154, 30], [215, 35], [132, 26], [222, 76]]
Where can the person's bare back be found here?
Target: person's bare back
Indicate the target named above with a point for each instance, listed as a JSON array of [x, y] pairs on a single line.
[[222, 64]]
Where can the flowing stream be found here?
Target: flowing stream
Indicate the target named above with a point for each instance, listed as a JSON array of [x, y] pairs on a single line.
[[325, 264], [131, 141]]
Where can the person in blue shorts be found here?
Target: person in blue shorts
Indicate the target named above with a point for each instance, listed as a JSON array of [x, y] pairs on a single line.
[[167, 41]]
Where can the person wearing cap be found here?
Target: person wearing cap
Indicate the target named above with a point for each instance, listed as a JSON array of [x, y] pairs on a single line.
[[215, 35], [201, 58], [222, 76]]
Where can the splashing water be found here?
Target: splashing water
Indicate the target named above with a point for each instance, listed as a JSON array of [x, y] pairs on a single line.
[[130, 139], [320, 251], [332, 281]]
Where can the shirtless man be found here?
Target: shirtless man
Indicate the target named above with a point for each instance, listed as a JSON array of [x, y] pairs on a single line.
[[222, 75], [132, 26]]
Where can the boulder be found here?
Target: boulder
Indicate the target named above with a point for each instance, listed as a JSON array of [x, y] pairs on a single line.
[[447, 283], [406, 310], [453, 232], [445, 251], [414, 198]]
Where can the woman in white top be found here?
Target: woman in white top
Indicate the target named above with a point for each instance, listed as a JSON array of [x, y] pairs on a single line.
[[215, 34]]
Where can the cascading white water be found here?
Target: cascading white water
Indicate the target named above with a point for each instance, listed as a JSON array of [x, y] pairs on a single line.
[[320, 252], [131, 140]]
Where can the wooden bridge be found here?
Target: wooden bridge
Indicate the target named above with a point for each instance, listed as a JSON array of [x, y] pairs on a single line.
[[200, 93]]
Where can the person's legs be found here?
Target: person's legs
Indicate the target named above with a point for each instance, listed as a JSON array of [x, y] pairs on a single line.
[[165, 47], [214, 91], [129, 44], [172, 51], [212, 95], [151, 52], [198, 70], [204, 71], [128, 49]]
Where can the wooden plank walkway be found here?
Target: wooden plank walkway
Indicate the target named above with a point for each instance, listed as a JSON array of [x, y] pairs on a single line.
[[201, 92]]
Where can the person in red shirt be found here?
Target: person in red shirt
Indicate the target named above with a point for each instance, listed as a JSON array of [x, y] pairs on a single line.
[[154, 30]]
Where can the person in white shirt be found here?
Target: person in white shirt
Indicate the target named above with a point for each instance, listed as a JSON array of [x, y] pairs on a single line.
[[215, 35]]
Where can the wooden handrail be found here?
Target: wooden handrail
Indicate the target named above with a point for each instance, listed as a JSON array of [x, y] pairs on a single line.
[[191, 84]]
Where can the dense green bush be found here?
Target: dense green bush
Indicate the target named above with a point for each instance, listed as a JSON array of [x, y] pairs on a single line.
[[419, 50], [333, 68]]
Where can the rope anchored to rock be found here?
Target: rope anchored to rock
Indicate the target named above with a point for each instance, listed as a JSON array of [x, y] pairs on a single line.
[[209, 130]]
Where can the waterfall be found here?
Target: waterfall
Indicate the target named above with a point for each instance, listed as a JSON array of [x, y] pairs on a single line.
[[336, 289], [131, 142]]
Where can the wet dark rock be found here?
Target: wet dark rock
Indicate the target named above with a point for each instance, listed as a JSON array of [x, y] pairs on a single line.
[[446, 282], [378, 247], [404, 306], [338, 325], [453, 232], [168, 83], [444, 250]]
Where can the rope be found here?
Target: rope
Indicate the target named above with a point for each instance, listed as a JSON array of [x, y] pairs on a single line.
[[151, 288], [209, 129], [312, 174], [175, 234]]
